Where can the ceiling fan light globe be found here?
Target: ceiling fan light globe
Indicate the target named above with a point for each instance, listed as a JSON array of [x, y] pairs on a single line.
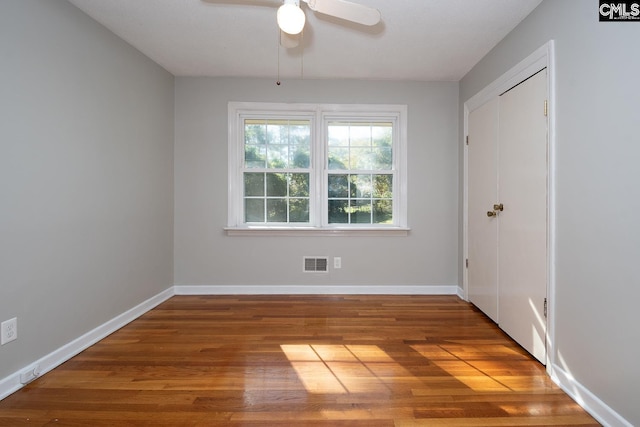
[[290, 18]]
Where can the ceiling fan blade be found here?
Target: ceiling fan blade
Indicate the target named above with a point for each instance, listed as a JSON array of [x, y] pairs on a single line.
[[347, 10], [289, 41]]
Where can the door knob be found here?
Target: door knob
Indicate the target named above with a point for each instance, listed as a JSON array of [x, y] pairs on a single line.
[[491, 213], [499, 207]]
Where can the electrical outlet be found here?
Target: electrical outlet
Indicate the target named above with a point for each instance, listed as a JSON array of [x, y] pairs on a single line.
[[9, 330], [337, 262]]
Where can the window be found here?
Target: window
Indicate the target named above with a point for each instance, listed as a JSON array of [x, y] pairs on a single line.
[[276, 171], [296, 168], [360, 172]]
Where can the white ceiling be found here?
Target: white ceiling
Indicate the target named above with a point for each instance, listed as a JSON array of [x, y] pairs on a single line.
[[424, 40]]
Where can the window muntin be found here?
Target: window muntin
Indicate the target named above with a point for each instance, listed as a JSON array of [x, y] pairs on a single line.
[[360, 172], [360, 145], [311, 168], [276, 172], [277, 143], [360, 198]]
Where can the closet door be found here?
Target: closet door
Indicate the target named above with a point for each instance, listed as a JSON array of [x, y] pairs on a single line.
[[482, 193], [522, 233], [507, 212]]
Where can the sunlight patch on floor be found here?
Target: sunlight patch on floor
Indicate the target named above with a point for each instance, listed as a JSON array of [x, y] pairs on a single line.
[[342, 368], [459, 369]]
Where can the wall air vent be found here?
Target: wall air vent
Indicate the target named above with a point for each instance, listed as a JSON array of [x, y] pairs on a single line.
[[314, 264]]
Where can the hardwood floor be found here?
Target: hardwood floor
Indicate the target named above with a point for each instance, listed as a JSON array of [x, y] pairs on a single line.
[[300, 361]]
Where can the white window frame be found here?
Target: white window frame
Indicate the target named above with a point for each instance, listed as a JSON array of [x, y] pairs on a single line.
[[319, 115]]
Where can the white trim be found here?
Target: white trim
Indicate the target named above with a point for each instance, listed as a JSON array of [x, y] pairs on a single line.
[[551, 210], [543, 57], [523, 70], [315, 290], [12, 383], [317, 231], [318, 114], [602, 412], [465, 204]]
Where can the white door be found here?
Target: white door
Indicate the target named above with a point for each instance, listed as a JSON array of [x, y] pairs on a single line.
[[507, 243], [482, 194], [522, 254]]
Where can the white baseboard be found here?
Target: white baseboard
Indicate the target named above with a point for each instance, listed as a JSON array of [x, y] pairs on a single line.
[[586, 399], [12, 383], [316, 290]]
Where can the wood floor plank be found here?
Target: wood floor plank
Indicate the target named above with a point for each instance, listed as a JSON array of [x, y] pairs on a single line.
[[299, 360]]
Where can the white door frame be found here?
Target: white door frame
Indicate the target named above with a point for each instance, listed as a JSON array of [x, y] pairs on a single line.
[[538, 60]]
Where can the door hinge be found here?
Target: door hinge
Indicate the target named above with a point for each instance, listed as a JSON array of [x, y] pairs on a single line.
[[467, 139], [545, 307], [546, 108], [466, 262]]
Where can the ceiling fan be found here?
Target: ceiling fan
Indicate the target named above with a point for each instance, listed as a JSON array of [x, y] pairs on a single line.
[[291, 18]]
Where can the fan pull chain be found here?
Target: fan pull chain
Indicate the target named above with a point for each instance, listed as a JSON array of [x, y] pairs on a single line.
[[278, 77], [302, 55]]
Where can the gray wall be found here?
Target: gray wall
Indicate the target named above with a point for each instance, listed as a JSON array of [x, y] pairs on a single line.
[[86, 177], [598, 196], [204, 255], [86, 184]]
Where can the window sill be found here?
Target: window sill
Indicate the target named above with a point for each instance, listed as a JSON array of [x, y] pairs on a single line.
[[317, 231]]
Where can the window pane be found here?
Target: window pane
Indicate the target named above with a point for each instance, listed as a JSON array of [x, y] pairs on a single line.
[[362, 158], [277, 144], [360, 135], [299, 185], [362, 146], [298, 210], [276, 184], [254, 210], [299, 156], [338, 211], [277, 133], [338, 135], [382, 212], [286, 193], [361, 212], [254, 184], [360, 186], [276, 210], [255, 132], [338, 158], [368, 198], [277, 156], [299, 132], [382, 186], [381, 159], [338, 186], [381, 135], [255, 156]]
